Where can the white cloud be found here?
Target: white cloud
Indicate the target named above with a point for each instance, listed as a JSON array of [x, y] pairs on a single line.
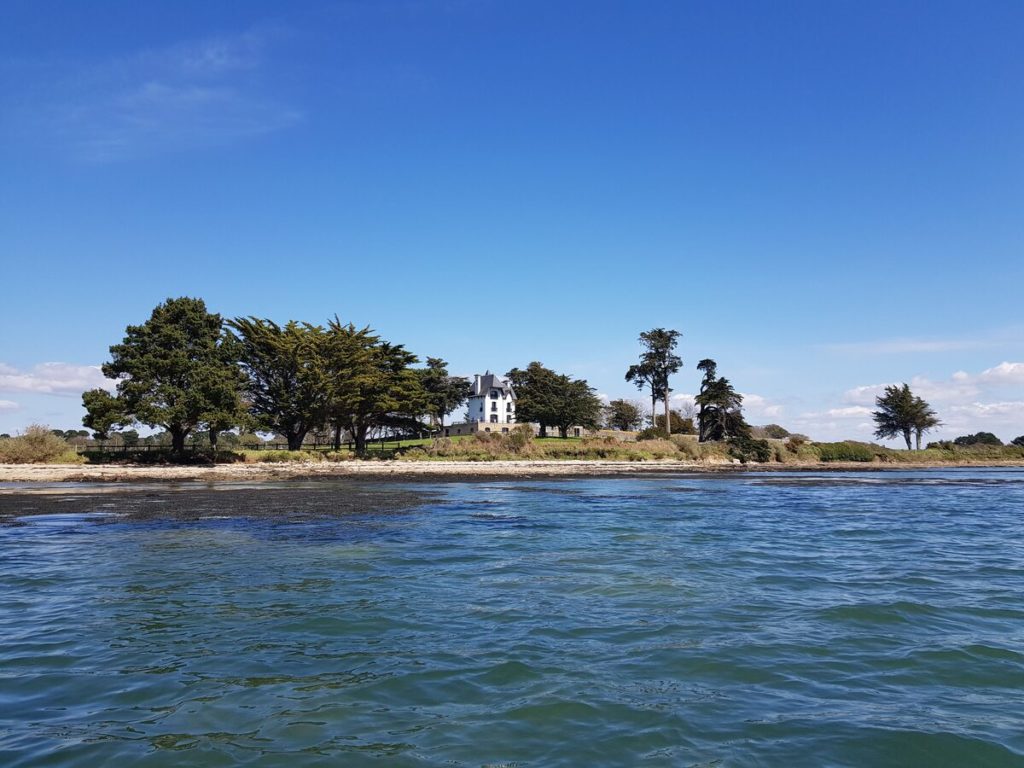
[[190, 95], [8, 405], [1004, 373], [993, 337], [852, 411], [758, 408], [53, 379]]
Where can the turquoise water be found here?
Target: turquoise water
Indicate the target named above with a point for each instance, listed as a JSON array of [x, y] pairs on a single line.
[[867, 619]]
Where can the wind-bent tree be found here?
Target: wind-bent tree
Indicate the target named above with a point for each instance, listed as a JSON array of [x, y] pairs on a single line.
[[371, 383], [444, 393], [902, 414], [1018, 441], [173, 371], [554, 400], [925, 419], [625, 415], [287, 386], [719, 407], [657, 363]]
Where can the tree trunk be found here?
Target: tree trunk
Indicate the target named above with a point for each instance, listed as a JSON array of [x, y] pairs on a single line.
[[654, 410], [563, 432], [359, 434], [295, 440], [337, 437], [178, 435], [213, 439], [906, 436], [918, 436], [543, 430], [668, 420]]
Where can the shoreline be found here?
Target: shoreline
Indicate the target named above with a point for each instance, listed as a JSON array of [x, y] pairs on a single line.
[[432, 470]]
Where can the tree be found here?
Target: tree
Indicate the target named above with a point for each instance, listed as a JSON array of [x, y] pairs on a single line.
[[554, 400], [1018, 441], [925, 420], [979, 438], [680, 424], [371, 383], [719, 414], [286, 387], [443, 393], [103, 412], [901, 413], [173, 371], [536, 394], [625, 415], [657, 363]]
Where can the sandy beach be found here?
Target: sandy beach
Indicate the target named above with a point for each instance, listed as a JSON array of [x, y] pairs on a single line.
[[408, 470]]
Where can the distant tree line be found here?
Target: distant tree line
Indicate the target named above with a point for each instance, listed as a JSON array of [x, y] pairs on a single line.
[[187, 370]]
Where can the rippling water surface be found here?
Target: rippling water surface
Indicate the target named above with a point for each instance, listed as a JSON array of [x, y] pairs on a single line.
[[749, 620]]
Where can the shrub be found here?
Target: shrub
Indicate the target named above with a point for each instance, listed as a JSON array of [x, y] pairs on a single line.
[[652, 433], [38, 445], [770, 431], [979, 438], [1018, 441], [519, 438], [748, 449], [795, 442], [845, 451]]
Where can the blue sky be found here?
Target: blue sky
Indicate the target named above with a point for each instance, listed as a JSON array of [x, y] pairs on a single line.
[[824, 197]]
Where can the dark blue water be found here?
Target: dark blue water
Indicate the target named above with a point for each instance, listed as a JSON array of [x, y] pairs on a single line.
[[750, 620]]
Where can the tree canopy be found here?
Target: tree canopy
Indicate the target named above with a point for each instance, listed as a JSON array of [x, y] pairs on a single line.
[[625, 415], [286, 379], [657, 363], [719, 406], [901, 413], [554, 400], [174, 371], [443, 393]]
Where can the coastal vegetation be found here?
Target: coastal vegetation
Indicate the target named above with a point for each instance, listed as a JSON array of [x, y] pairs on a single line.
[[657, 363], [252, 390]]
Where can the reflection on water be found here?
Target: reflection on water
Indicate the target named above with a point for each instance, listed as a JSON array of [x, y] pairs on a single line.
[[742, 620]]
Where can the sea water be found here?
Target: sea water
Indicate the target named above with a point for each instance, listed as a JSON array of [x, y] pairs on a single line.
[[763, 619]]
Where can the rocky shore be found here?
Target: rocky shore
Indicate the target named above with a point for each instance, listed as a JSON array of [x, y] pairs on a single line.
[[409, 470]]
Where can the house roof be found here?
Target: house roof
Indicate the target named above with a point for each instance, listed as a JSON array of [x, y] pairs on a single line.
[[488, 381]]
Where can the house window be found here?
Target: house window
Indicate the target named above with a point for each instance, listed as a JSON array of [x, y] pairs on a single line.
[[494, 418], [508, 407], [494, 394], [504, 430], [494, 406]]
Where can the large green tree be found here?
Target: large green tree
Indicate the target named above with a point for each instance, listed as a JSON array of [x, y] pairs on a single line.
[[902, 414], [286, 387], [174, 371], [719, 406], [554, 400], [443, 392], [371, 383], [625, 415], [658, 362]]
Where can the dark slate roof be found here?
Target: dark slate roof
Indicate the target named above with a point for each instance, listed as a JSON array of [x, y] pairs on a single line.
[[491, 381]]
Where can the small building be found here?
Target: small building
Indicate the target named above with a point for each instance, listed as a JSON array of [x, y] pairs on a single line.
[[491, 407]]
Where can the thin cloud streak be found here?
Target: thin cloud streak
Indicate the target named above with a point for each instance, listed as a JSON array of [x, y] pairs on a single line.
[[191, 95]]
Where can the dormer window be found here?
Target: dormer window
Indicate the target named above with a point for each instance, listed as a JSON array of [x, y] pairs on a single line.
[[494, 394]]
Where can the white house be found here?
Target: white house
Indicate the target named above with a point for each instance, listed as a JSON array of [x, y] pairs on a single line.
[[491, 407]]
